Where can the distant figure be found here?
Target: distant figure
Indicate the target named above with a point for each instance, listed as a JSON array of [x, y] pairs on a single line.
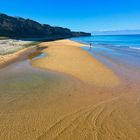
[[90, 45]]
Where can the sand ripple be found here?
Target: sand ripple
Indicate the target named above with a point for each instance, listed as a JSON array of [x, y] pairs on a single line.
[[93, 123]]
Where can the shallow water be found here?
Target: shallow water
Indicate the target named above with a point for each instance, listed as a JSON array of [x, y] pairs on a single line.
[[32, 99], [120, 52], [120, 49]]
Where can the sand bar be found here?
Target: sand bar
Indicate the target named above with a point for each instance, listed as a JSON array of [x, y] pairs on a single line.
[[67, 56]]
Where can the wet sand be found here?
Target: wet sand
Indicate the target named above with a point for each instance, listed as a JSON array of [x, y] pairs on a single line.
[[58, 103]]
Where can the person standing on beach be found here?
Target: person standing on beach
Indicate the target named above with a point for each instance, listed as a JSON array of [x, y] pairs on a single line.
[[90, 45]]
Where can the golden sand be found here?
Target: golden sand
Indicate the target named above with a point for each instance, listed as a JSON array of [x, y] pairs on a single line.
[[66, 56], [39, 104]]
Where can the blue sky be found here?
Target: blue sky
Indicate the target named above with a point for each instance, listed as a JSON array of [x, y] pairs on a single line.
[[83, 15]]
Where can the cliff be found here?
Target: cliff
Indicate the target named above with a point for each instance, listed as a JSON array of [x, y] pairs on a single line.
[[26, 28]]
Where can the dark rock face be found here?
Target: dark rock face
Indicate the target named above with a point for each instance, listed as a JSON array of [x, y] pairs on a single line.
[[77, 34], [20, 27]]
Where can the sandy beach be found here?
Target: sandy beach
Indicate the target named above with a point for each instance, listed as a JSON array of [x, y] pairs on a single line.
[[76, 62], [67, 95], [12, 50]]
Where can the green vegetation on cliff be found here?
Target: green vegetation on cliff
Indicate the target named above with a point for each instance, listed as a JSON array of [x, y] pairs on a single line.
[[26, 28]]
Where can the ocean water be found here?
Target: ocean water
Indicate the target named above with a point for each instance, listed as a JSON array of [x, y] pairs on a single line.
[[116, 41], [122, 49]]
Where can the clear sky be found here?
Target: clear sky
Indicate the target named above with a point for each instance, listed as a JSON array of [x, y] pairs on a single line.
[[83, 15]]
